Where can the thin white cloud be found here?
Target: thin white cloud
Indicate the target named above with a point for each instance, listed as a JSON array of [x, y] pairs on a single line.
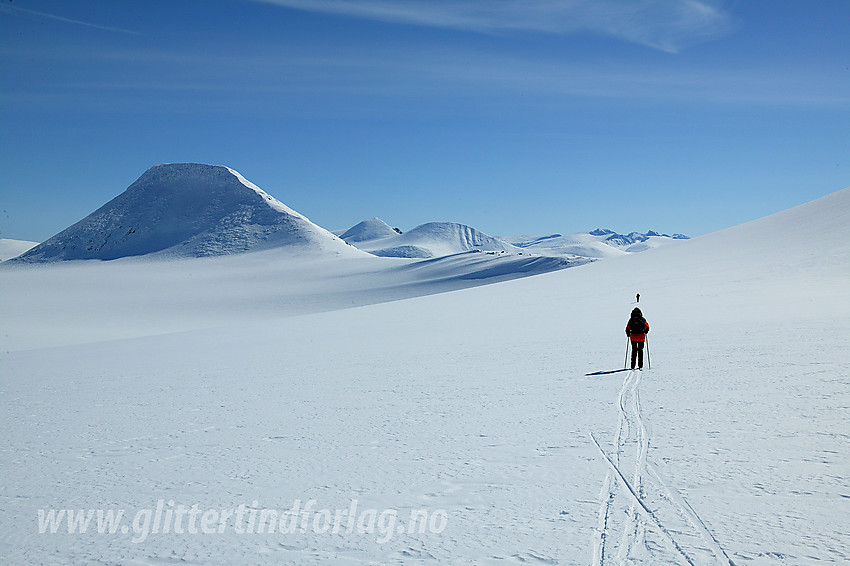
[[668, 25], [436, 73], [23, 11]]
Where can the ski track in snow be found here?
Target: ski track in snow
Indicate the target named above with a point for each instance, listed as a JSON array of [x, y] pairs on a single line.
[[609, 486], [684, 537]]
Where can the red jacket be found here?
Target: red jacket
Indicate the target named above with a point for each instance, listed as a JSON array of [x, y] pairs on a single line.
[[637, 337]]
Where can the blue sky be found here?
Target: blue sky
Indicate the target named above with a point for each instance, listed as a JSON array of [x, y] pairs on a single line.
[[512, 116]]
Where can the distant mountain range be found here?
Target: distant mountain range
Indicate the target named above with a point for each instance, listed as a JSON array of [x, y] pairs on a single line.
[[443, 238], [632, 237], [599, 243], [196, 210]]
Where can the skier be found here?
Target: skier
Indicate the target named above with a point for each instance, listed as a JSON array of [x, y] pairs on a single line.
[[636, 330], [637, 298]]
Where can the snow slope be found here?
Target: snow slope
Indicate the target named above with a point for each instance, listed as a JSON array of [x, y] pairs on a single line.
[[434, 239], [13, 248], [186, 209], [477, 402], [116, 298]]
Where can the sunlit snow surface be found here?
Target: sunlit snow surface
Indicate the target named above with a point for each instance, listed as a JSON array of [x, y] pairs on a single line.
[[13, 248], [247, 379]]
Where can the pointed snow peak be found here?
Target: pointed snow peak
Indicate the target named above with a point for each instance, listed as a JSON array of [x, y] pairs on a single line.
[[371, 229], [186, 209]]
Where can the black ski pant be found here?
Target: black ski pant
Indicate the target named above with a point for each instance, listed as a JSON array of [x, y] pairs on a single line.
[[637, 353]]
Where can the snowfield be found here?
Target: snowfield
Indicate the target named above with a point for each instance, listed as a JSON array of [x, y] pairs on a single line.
[[386, 390]]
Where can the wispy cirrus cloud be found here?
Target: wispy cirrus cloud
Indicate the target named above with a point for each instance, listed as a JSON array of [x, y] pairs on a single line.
[[667, 25], [375, 80], [26, 12]]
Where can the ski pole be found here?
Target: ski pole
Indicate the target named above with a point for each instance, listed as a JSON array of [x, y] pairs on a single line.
[[648, 362], [626, 359]]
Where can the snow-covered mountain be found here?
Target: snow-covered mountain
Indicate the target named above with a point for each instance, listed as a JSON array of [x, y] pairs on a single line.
[[186, 209], [196, 210], [13, 248], [599, 243], [372, 229], [434, 239]]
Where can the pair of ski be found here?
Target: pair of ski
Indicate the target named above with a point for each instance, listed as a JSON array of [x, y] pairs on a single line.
[[613, 371]]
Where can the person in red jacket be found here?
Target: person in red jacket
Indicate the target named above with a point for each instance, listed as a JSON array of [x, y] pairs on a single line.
[[636, 330]]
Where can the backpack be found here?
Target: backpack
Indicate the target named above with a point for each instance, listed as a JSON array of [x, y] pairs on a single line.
[[637, 325]]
